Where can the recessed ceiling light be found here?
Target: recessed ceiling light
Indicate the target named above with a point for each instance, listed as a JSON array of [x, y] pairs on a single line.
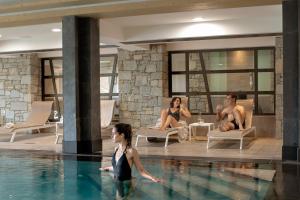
[[101, 43], [198, 19], [56, 30], [0, 35]]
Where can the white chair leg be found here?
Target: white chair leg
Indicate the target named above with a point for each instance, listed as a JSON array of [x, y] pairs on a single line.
[[241, 144], [56, 140], [137, 139], [207, 145], [167, 139], [147, 139], [13, 137]]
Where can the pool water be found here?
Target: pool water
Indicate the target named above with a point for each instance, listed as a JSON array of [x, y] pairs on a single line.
[[35, 177]]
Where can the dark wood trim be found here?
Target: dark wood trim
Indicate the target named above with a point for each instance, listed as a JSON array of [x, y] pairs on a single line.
[[187, 76], [255, 82], [203, 38], [53, 95], [54, 87], [48, 50], [42, 78], [170, 73], [109, 94], [112, 83], [29, 51], [108, 46], [57, 76], [224, 49], [225, 93], [108, 55], [225, 71], [108, 74], [210, 107], [208, 93], [53, 78], [274, 61]]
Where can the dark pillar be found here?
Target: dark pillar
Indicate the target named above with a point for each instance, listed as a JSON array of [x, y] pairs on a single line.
[[291, 93], [81, 71]]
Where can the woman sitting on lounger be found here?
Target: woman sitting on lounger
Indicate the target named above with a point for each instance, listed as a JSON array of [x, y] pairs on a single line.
[[170, 117]]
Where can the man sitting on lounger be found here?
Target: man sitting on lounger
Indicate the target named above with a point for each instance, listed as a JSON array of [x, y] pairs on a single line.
[[232, 114]]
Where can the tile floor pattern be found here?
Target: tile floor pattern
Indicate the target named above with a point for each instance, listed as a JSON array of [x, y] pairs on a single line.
[[261, 148]]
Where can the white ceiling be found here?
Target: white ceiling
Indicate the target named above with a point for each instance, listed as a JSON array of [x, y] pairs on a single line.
[[207, 15], [219, 22]]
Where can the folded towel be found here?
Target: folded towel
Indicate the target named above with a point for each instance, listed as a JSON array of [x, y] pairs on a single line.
[[9, 125]]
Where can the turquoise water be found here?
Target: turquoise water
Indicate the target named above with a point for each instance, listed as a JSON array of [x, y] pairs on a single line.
[[34, 177]]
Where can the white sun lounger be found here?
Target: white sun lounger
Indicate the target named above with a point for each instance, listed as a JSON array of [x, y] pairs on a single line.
[[36, 120], [106, 115], [154, 132], [107, 112], [236, 134]]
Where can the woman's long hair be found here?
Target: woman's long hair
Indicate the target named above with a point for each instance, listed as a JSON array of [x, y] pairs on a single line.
[[173, 100], [126, 130]]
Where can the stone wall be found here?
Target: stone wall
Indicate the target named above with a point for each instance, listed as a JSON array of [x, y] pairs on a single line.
[[279, 86], [19, 86], [143, 81]]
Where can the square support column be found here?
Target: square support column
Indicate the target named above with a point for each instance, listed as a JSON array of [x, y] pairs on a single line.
[[291, 93], [81, 72]]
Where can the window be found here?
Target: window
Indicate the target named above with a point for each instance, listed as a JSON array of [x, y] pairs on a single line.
[[52, 81], [109, 85], [206, 76]]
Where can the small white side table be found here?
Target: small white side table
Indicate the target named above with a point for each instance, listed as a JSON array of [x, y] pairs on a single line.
[[200, 124]]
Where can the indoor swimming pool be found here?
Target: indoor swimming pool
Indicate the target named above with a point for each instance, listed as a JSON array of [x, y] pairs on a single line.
[[35, 177]]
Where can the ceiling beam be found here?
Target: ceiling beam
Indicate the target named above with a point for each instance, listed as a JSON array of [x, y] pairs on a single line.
[[41, 11]]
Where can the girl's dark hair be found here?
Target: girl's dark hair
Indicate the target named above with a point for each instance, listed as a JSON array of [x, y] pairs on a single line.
[[233, 96], [126, 130], [173, 100]]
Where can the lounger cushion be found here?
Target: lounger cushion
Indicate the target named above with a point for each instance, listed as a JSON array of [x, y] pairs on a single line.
[[106, 112], [153, 132], [6, 130], [37, 118], [39, 114], [232, 134]]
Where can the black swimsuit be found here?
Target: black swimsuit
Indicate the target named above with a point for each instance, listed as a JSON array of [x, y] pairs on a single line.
[[122, 170], [175, 114], [236, 125]]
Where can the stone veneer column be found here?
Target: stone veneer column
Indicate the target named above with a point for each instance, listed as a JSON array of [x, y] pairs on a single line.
[[290, 148], [143, 81], [81, 73], [19, 86], [279, 86]]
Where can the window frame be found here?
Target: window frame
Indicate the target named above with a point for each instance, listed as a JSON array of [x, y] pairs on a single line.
[[53, 77], [205, 72]]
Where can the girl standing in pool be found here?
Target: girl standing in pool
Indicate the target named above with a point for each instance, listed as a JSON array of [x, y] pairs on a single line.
[[125, 156]]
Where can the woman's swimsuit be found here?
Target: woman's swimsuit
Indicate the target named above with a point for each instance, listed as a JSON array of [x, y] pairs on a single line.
[[175, 114], [236, 125], [122, 170]]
